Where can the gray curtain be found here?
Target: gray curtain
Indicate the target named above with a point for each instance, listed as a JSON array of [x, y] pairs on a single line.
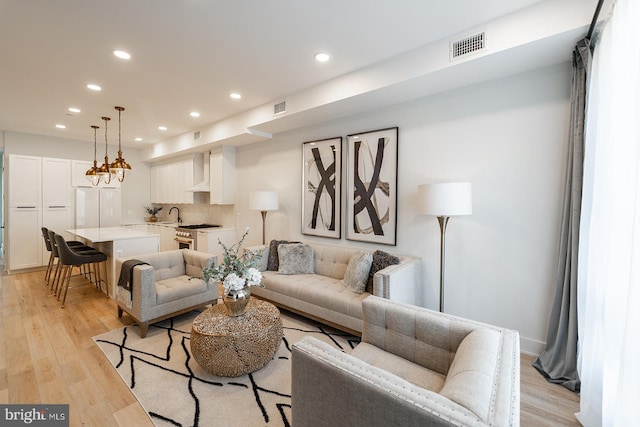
[[558, 362]]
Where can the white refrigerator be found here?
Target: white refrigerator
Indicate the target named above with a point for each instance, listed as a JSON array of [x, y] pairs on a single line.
[[97, 207]]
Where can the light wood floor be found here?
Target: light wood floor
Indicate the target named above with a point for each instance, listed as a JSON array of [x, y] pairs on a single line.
[[47, 356]]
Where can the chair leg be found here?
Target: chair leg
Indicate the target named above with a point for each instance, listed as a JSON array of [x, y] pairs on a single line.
[[65, 271], [106, 278], [56, 279], [66, 286], [47, 274], [96, 274]]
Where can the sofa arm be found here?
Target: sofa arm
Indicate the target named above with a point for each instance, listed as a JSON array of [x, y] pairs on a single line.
[[263, 251], [143, 292], [399, 282], [329, 388]]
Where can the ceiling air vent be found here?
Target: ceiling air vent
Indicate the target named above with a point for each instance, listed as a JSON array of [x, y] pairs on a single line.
[[279, 108], [196, 135], [468, 45]]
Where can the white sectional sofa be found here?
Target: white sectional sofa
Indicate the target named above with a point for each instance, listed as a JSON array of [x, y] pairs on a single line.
[[322, 295]]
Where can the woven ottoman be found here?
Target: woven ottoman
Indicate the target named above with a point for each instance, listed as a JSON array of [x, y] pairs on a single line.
[[229, 346]]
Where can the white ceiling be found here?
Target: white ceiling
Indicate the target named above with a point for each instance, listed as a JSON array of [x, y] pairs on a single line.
[[189, 55]]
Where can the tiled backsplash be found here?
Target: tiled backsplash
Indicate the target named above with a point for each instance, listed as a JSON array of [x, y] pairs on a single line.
[[223, 215]]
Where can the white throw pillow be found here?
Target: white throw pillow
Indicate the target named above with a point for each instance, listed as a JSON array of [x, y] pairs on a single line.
[[295, 258], [357, 273]]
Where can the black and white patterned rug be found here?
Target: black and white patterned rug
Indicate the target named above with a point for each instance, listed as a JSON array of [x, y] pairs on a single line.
[[176, 391]]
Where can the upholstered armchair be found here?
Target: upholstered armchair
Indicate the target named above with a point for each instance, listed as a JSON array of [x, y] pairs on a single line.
[[169, 284], [414, 367]]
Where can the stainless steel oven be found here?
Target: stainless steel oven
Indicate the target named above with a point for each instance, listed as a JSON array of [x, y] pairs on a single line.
[[186, 235], [185, 241]]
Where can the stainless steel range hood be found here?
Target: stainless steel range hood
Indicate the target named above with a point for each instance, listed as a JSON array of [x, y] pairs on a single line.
[[203, 186]]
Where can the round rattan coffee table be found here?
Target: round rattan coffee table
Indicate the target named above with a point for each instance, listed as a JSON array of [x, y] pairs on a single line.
[[232, 346]]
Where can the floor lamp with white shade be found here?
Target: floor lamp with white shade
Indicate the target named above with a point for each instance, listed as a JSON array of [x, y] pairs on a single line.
[[263, 201], [444, 200]]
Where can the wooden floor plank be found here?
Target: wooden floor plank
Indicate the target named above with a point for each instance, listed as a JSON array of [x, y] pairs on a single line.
[[47, 355]]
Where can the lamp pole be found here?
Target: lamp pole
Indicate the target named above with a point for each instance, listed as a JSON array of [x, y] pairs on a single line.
[[443, 221], [264, 218]]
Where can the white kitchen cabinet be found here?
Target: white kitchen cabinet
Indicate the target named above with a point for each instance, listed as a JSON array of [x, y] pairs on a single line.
[[25, 181], [222, 176], [208, 241], [58, 219], [167, 238], [56, 182], [167, 235], [25, 237], [25, 212], [170, 182], [79, 169]]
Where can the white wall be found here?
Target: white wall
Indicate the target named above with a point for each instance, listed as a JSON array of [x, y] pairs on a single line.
[[508, 138], [135, 188]]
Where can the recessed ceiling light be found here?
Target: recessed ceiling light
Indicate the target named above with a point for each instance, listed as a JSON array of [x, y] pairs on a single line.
[[61, 126], [93, 87], [74, 109], [162, 127], [138, 139], [121, 54], [235, 95], [194, 114], [321, 57]]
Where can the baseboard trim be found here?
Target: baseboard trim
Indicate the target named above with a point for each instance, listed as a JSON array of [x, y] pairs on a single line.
[[530, 346]]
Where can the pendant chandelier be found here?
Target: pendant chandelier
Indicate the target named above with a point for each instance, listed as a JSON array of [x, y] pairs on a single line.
[[92, 173], [103, 171], [119, 166]]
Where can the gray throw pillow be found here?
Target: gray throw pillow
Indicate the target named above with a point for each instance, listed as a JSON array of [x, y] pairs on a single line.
[[355, 277], [272, 260], [381, 260], [295, 258]]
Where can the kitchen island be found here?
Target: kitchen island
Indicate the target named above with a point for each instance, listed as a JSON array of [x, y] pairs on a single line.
[[117, 242]]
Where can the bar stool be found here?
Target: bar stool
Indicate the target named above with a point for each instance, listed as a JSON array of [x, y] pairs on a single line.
[[52, 257], [74, 246], [69, 259]]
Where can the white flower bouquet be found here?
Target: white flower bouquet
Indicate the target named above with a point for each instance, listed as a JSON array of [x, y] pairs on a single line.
[[236, 271]]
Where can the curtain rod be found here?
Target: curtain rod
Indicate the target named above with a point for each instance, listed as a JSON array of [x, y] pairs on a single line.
[[595, 19]]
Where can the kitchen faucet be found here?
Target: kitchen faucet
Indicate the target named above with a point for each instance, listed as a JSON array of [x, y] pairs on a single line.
[[179, 219]]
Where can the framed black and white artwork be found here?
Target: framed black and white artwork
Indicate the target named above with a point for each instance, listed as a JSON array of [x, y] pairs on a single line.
[[372, 187], [321, 184]]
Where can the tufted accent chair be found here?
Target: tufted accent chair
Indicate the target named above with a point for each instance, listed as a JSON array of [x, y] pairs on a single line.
[[413, 367], [170, 285]]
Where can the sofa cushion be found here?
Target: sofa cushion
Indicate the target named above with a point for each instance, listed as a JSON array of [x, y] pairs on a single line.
[[408, 371], [272, 260], [332, 261], [315, 289], [381, 259], [295, 258], [355, 277], [177, 288], [166, 264], [471, 377]]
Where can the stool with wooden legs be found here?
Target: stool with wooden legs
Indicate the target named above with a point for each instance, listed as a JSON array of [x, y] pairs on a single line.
[[78, 246], [69, 259], [53, 256]]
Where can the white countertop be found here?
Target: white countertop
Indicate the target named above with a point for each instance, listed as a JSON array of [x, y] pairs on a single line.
[[214, 229], [109, 234]]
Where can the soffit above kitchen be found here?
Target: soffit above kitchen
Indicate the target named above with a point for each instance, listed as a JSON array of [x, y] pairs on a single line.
[[190, 55]]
